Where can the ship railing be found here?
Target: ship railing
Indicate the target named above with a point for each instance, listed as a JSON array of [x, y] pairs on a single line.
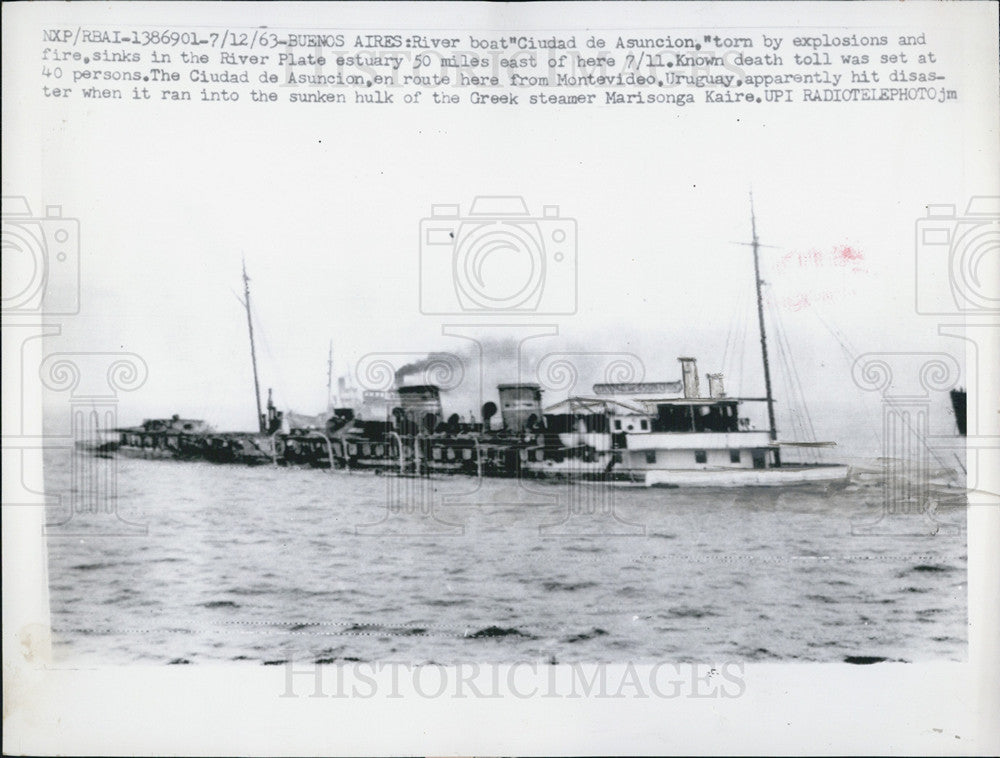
[[479, 457], [399, 447], [326, 440]]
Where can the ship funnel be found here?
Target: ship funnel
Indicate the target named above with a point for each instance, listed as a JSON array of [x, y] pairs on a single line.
[[715, 388], [377, 404], [689, 375], [518, 403], [418, 400]]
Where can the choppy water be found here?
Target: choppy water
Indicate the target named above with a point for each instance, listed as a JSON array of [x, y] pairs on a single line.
[[264, 565]]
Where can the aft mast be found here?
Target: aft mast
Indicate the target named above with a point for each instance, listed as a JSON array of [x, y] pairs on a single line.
[[329, 380], [763, 334], [253, 349]]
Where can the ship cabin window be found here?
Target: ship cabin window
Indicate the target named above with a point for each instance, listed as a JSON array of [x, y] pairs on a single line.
[[650, 456], [720, 416], [700, 456], [436, 453], [618, 424], [734, 456], [644, 425], [560, 423]]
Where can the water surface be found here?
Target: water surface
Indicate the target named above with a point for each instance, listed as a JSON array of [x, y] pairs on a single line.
[[268, 564]]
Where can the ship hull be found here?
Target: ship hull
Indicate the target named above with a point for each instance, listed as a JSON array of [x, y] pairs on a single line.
[[238, 448], [784, 476]]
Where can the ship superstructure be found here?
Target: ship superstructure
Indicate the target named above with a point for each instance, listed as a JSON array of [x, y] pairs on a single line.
[[666, 433], [674, 433]]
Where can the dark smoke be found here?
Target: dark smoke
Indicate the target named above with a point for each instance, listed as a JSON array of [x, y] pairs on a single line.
[[423, 364], [489, 361], [498, 356]]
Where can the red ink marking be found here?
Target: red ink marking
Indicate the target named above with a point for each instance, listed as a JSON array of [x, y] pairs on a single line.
[[809, 271], [802, 301], [846, 253]]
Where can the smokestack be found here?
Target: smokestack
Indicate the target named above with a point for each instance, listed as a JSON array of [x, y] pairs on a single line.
[[689, 375], [376, 405], [518, 403], [715, 388], [418, 400]]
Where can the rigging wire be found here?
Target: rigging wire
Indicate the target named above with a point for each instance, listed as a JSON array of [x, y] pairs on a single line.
[[799, 396], [852, 356], [743, 337], [729, 336], [735, 322], [784, 373], [733, 339], [837, 335], [262, 335]]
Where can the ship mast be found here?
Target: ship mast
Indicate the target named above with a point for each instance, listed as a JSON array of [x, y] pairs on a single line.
[[329, 379], [253, 349], [763, 334]]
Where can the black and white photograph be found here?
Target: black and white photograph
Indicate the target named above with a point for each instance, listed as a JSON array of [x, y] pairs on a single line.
[[491, 378]]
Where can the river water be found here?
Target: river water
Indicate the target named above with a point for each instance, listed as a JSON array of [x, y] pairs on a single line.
[[199, 562]]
